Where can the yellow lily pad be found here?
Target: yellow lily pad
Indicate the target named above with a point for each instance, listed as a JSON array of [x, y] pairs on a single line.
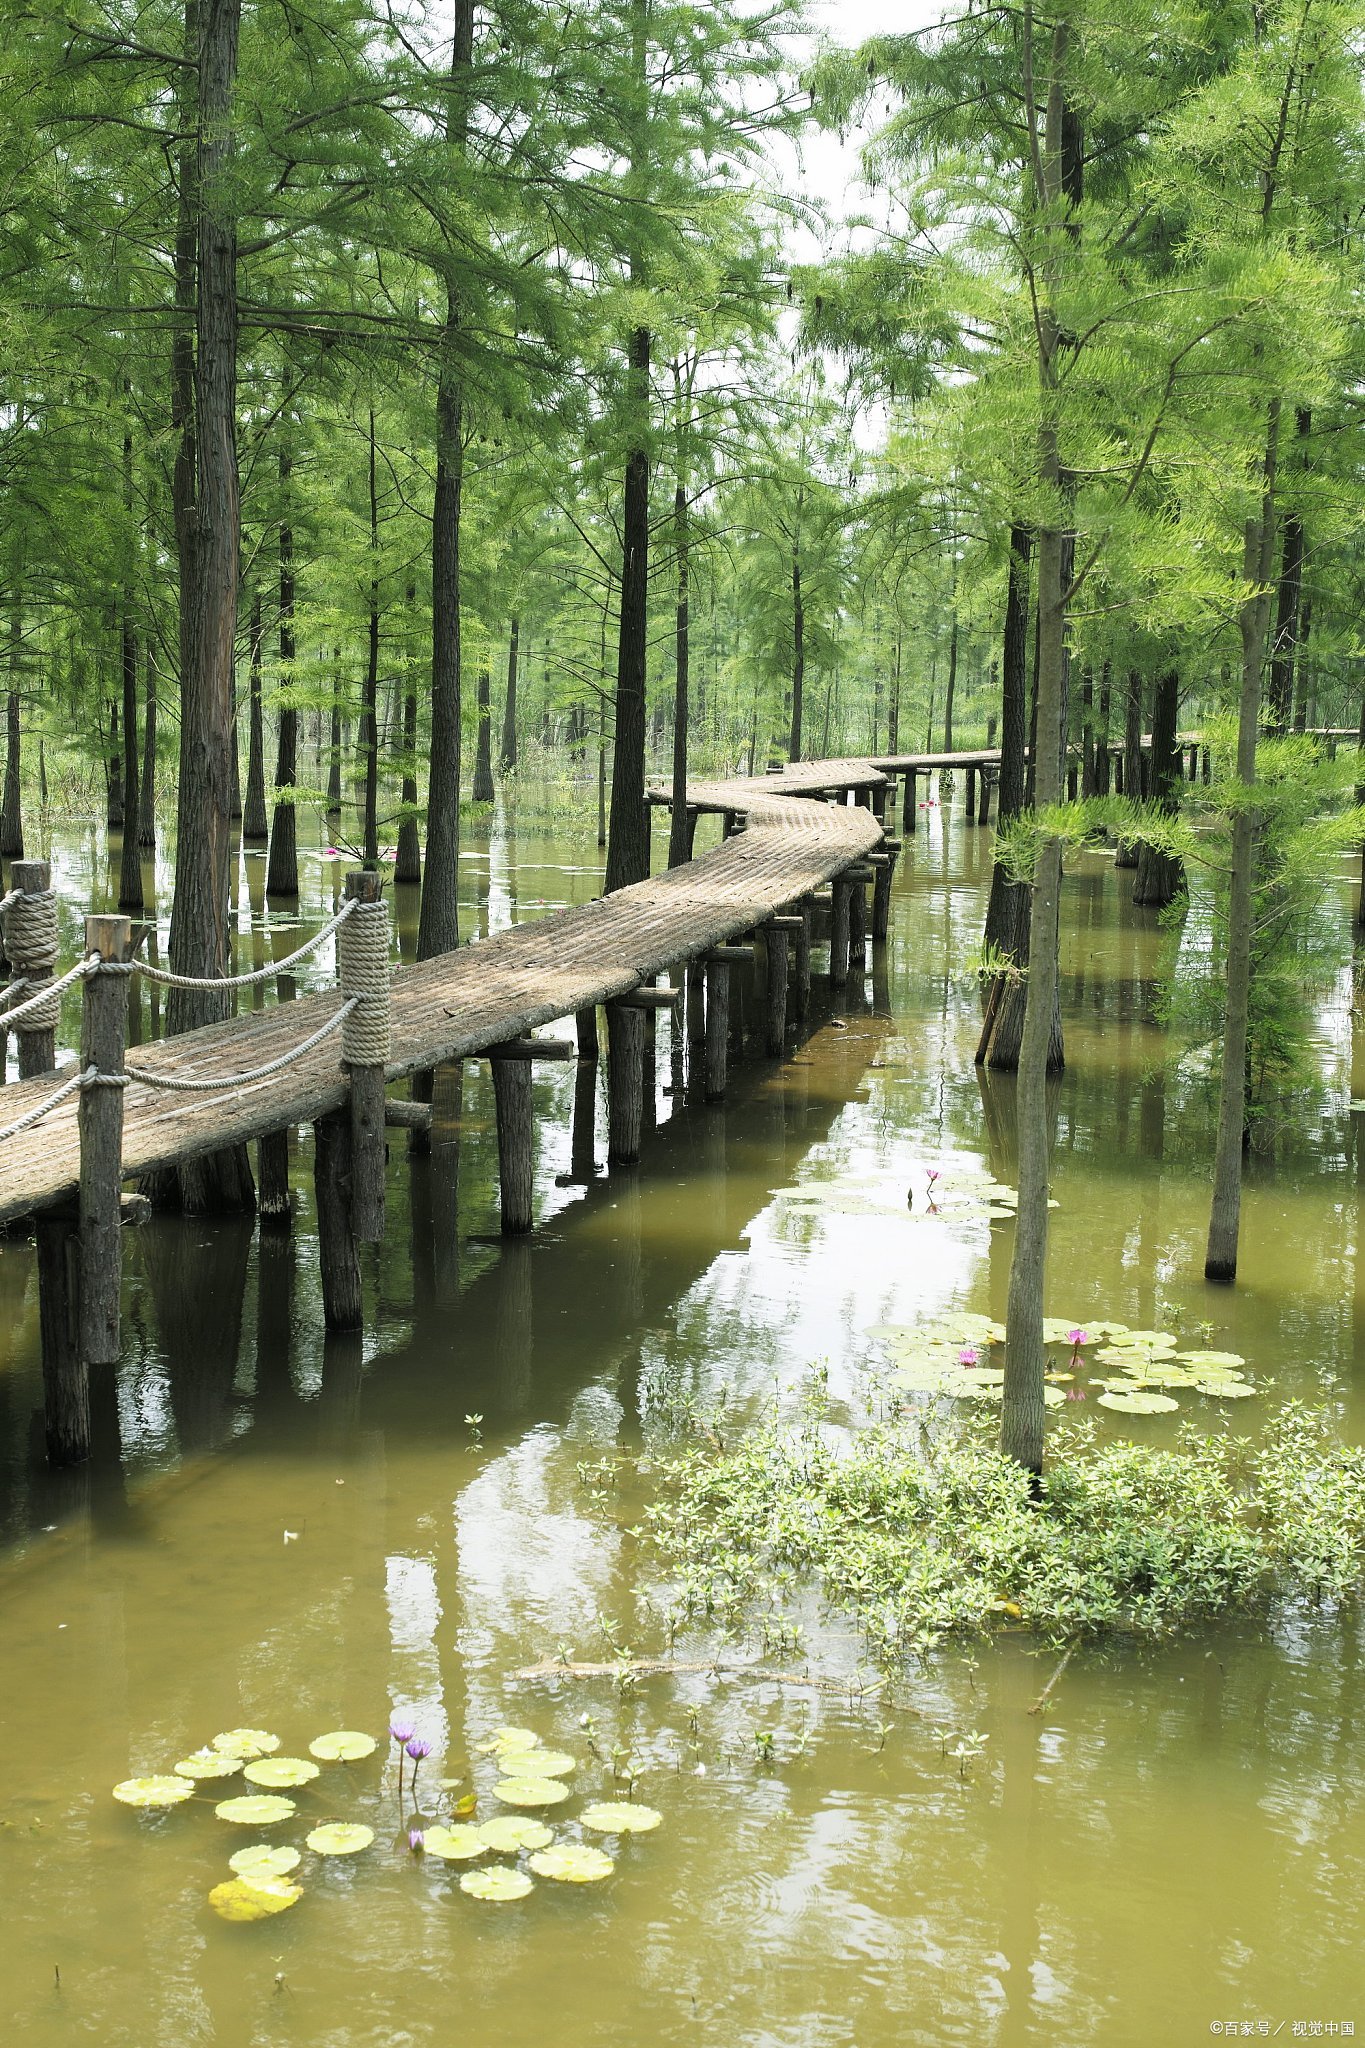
[[277, 1771], [505, 1741], [342, 1746], [508, 1832], [260, 1860], [340, 1838], [454, 1845], [1226, 1390], [1139, 1403], [499, 1883], [153, 1791], [258, 1811], [553, 1763], [573, 1863], [247, 1743], [530, 1791], [239, 1900], [207, 1763], [1217, 1359], [620, 1817]]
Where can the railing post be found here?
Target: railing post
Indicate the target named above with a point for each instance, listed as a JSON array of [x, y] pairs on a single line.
[[363, 970], [104, 1022], [31, 943]]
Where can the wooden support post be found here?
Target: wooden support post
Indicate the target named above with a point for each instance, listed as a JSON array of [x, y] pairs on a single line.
[[1205, 766], [727, 824], [878, 801], [32, 947], [881, 897], [625, 1081], [801, 979], [696, 1002], [272, 1181], [407, 1116], [839, 930], [857, 921], [516, 1136], [341, 1297], [652, 999], [910, 805], [66, 1383], [363, 970], [717, 1026], [104, 1022], [419, 1134], [692, 816], [586, 1023], [775, 938], [969, 808], [983, 812]]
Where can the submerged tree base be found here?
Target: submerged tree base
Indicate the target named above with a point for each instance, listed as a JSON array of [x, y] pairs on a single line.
[[921, 1539]]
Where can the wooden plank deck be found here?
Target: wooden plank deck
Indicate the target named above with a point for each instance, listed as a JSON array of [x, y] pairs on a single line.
[[461, 1003]]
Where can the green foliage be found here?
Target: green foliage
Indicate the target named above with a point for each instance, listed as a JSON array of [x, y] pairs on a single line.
[[923, 1538]]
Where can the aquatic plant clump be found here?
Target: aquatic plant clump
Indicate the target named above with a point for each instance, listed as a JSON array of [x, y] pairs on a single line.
[[922, 1543]]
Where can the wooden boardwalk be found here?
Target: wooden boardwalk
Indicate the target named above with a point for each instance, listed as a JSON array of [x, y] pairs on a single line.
[[485, 994]]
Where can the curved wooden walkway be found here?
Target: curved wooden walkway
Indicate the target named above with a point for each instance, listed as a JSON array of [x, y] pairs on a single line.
[[485, 994]]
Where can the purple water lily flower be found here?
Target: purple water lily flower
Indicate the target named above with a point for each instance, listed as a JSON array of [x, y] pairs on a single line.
[[416, 1840], [401, 1732], [417, 1749]]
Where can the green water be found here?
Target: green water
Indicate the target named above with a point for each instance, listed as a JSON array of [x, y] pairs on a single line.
[[301, 1534]]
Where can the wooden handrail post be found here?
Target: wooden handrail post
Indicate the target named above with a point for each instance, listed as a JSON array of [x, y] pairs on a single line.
[[99, 1119], [363, 969]]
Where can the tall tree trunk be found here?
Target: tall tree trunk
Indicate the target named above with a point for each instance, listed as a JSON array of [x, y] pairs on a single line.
[[282, 868], [114, 770], [334, 740], [438, 929], [130, 862], [369, 712], [483, 791], [1160, 876], [1002, 920], [146, 810], [408, 862], [1127, 853], [678, 853], [507, 757], [254, 826], [1220, 1259], [1103, 766], [798, 657], [12, 806], [893, 714], [952, 686], [627, 832]]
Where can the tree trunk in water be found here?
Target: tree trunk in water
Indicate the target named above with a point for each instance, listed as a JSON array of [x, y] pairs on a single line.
[[1220, 1259], [282, 868], [627, 832], [146, 809], [951, 691], [1284, 647], [114, 771], [484, 791], [893, 715], [1002, 921], [507, 758], [408, 860], [334, 740], [798, 658], [369, 712], [1103, 773], [678, 851], [130, 863], [254, 826], [12, 806], [208, 535], [1160, 877], [1127, 854]]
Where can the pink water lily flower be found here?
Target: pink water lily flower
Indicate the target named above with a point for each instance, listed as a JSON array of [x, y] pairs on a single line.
[[968, 1356], [1078, 1337], [1075, 1393]]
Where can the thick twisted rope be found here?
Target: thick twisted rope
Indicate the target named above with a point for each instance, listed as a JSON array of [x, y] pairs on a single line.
[[30, 926], [41, 1109], [184, 1085], [363, 971], [170, 980], [49, 995]]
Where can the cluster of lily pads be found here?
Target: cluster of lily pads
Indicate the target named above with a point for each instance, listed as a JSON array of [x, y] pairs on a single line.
[[954, 1192], [951, 1356], [264, 1878]]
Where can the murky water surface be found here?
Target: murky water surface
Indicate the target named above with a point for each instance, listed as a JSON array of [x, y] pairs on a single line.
[[306, 1534]]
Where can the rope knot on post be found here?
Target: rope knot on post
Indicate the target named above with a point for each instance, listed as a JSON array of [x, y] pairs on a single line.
[[364, 973]]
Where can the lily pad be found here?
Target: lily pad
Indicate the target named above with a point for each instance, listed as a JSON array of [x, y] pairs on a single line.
[[620, 1817], [974, 1386], [208, 1763], [530, 1791], [499, 1883], [276, 1771], [260, 1860], [258, 1811], [153, 1791], [553, 1763], [508, 1832], [342, 1746], [573, 1863], [1139, 1403], [1219, 1359], [1226, 1390], [454, 1845], [247, 1743], [505, 1741], [239, 1899], [340, 1838]]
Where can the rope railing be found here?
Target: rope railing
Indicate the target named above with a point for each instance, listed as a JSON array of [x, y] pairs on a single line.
[[207, 1084], [167, 979]]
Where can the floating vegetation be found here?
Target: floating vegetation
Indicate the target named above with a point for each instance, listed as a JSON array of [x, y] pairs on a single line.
[[951, 1192], [255, 1811], [281, 1771], [242, 1899], [506, 1833], [500, 1883], [530, 1791], [208, 1763], [552, 1763], [246, 1743], [454, 1845], [506, 1741], [340, 1838], [1139, 1403], [343, 1746], [153, 1791], [573, 1863], [620, 1817], [261, 1860]]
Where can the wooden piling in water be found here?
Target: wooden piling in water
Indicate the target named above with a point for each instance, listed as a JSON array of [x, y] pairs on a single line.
[[839, 929], [516, 1139], [272, 1181], [363, 964], [717, 1027], [341, 1295], [800, 991], [104, 1022], [969, 807], [910, 801], [775, 936], [66, 1382], [585, 1022], [625, 1081], [983, 809], [857, 918], [884, 868]]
